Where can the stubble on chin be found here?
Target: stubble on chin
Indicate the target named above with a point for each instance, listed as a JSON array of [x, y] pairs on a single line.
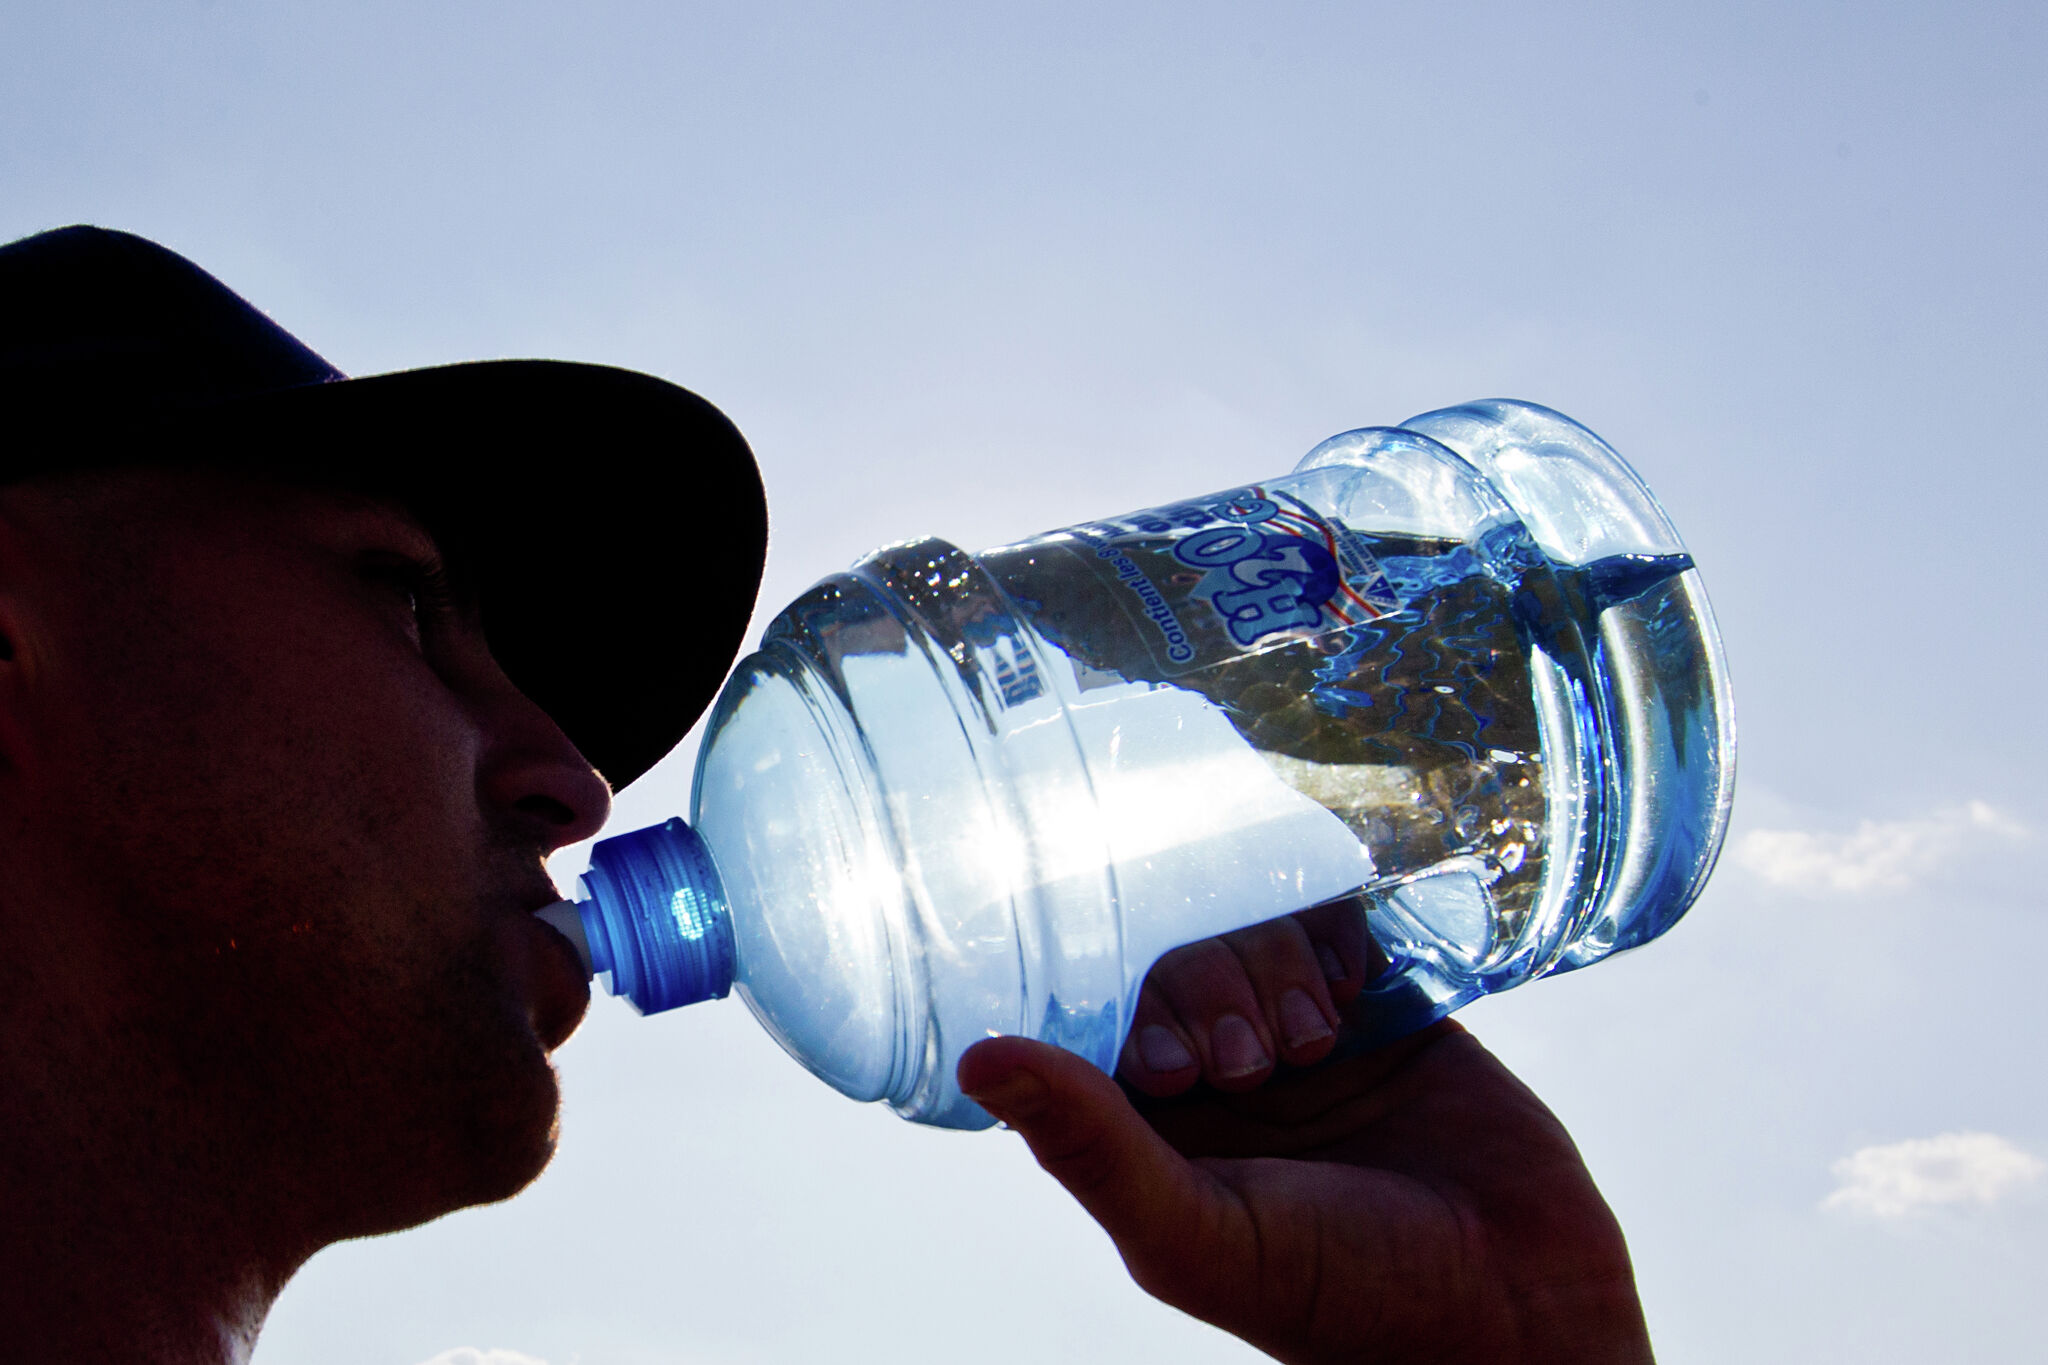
[[474, 1118], [350, 1109]]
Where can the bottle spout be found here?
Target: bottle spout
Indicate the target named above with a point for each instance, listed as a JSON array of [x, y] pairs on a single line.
[[567, 920]]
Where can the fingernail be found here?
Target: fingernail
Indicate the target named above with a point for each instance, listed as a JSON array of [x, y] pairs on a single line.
[[1019, 1095], [1236, 1048], [1301, 1023], [1161, 1052], [1332, 965]]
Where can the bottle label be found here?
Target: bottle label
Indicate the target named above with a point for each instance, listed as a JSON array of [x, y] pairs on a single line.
[[1236, 573]]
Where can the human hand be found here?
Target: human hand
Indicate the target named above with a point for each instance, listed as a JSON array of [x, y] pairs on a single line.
[[1414, 1203], [1226, 1009]]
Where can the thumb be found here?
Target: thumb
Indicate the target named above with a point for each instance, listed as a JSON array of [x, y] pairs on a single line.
[[1157, 1207]]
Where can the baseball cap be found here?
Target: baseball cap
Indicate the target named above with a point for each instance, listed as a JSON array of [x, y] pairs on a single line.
[[613, 523]]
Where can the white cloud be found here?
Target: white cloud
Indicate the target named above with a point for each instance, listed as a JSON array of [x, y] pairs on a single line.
[[1901, 1178], [495, 1355], [1879, 855]]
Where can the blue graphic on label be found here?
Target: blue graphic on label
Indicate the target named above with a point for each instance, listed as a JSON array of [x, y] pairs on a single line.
[[1269, 566]]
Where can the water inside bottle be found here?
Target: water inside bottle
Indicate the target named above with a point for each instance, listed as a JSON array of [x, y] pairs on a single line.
[[1418, 725]]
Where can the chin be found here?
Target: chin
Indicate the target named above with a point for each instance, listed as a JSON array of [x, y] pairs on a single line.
[[464, 1147], [512, 1142], [467, 1117], [502, 1106]]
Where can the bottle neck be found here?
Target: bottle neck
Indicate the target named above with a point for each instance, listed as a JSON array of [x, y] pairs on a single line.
[[656, 918]]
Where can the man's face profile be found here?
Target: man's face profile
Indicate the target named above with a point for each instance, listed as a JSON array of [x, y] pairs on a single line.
[[254, 744]]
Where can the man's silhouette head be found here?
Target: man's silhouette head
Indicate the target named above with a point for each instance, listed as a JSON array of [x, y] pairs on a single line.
[[289, 719]]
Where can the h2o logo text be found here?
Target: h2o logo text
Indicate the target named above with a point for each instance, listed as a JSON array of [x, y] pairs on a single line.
[[1260, 584]]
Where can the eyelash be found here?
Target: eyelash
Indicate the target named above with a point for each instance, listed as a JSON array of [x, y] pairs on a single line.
[[432, 595], [425, 582]]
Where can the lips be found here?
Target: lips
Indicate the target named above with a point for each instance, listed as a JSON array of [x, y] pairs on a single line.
[[556, 989]]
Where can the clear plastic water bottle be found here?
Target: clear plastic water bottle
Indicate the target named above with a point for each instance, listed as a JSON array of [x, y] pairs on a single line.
[[1461, 669]]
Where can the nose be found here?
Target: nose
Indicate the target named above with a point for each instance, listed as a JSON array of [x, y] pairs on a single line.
[[533, 776]]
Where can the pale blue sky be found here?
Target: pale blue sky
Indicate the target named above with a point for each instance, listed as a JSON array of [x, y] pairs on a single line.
[[979, 271]]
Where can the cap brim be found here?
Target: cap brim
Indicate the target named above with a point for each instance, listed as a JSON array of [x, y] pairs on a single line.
[[613, 524]]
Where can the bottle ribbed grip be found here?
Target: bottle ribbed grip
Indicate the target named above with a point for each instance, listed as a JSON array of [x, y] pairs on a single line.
[[657, 918]]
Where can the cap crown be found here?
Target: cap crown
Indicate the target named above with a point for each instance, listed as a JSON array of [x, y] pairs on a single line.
[[103, 333]]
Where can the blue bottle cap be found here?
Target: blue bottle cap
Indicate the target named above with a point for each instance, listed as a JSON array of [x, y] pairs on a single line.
[[657, 919]]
